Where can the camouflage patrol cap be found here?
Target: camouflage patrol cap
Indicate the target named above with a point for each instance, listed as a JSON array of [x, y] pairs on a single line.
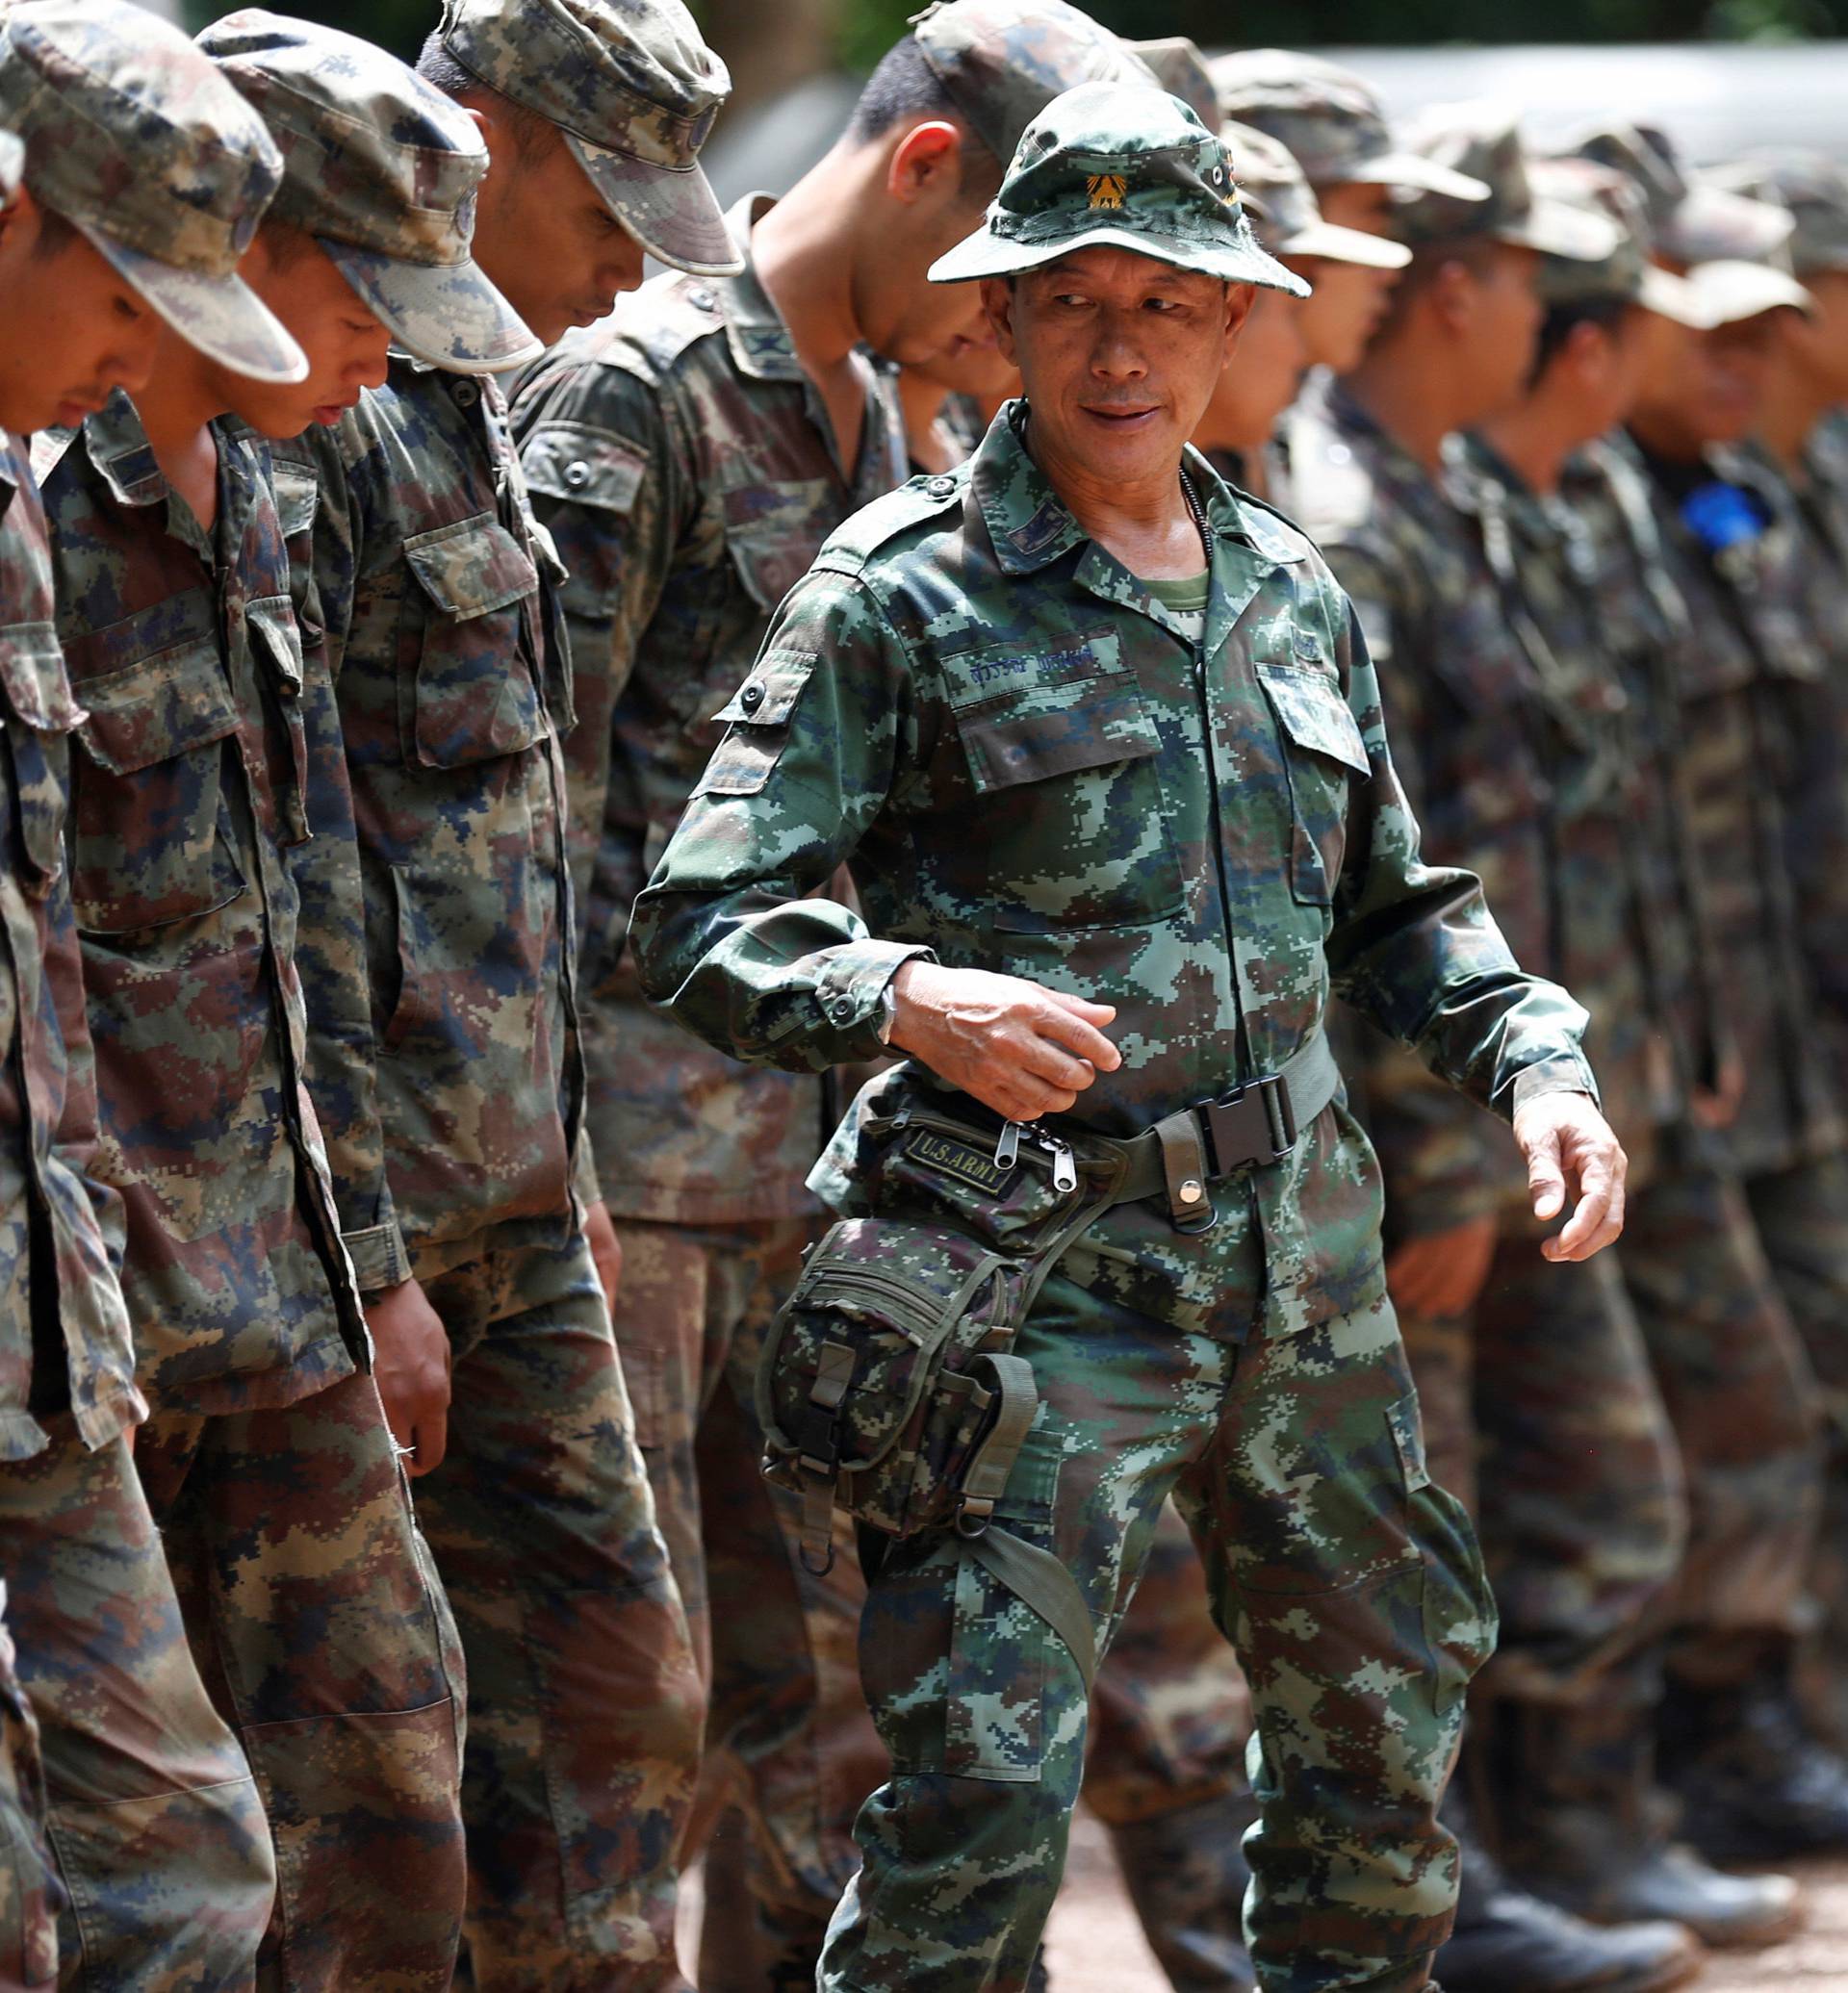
[[1624, 277], [1813, 189], [1482, 140], [381, 168], [137, 140], [1178, 64], [634, 89], [1002, 62], [1118, 166], [1691, 218], [1330, 121], [1283, 211]]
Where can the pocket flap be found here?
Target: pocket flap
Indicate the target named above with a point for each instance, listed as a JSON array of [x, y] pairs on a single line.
[[1090, 723], [582, 465], [773, 532], [32, 672], [158, 707], [471, 568], [769, 695], [298, 496], [1314, 715]]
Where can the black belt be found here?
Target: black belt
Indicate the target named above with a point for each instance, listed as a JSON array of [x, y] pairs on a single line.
[[1182, 1155]]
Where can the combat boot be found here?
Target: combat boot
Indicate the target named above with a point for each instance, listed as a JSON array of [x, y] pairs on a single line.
[[1580, 1821], [1507, 1941], [1754, 1784], [1187, 1877]]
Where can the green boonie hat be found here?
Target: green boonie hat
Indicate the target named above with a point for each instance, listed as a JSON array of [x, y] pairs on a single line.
[[381, 168], [137, 140], [1118, 166], [1624, 276], [1691, 218], [1282, 206], [634, 89], [1002, 62], [1482, 139], [1178, 64], [12, 164], [1328, 120], [1814, 189]]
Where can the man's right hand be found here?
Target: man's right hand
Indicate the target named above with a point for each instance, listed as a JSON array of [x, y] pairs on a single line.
[[411, 1367], [1019, 1049], [1440, 1275]]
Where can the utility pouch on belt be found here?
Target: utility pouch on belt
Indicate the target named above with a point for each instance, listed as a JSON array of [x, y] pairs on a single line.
[[888, 1388]]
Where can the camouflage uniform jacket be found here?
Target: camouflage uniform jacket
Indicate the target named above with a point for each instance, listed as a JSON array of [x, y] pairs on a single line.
[[1456, 684], [61, 1226], [1770, 815], [422, 580], [188, 785], [1033, 770], [683, 462], [1633, 945]]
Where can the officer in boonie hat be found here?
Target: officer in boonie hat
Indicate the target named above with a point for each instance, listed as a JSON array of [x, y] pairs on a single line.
[[381, 168], [134, 139], [635, 91], [1120, 166]]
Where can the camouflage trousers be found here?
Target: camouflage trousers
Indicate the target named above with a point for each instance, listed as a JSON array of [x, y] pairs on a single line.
[[319, 1634], [150, 1808], [1350, 1586], [583, 1699], [31, 1894], [787, 1737], [1802, 1215]]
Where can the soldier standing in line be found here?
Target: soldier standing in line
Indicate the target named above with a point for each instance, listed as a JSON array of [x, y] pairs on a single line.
[[436, 596], [1760, 682], [999, 695], [690, 456], [144, 178], [1567, 1705]]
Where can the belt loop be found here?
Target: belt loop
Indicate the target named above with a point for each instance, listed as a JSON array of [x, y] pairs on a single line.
[[1184, 1170]]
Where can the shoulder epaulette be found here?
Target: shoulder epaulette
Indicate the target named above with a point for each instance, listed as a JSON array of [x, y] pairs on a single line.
[[659, 322], [856, 540]]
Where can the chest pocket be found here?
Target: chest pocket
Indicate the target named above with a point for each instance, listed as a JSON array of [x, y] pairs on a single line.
[[150, 836], [1323, 753], [1061, 750], [472, 695], [773, 532], [38, 709]]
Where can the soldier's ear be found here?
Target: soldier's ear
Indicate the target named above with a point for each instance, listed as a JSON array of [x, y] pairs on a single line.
[[925, 162], [997, 300]]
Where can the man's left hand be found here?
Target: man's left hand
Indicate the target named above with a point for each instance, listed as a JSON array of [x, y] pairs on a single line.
[[1572, 1151]]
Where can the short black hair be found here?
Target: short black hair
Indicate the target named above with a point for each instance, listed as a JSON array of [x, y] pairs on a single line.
[[1562, 321], [903, 89], [437, 65]]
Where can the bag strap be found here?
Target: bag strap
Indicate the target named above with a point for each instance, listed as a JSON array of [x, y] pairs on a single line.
[[1042, 1584], [986, 1477]]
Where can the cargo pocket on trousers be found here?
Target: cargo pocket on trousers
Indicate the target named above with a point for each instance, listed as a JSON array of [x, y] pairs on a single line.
[[1458, 1605]]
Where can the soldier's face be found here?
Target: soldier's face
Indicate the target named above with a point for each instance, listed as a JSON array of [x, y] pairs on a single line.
[[1346, 311], [1261, 382], [1119, 355], [1817, 347], [544, 238], [1734, 364], [346, 345], [1505, 327], [931, 186], [72, 330], [1356, 204]]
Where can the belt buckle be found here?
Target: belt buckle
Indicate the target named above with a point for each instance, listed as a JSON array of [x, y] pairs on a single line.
[[1263, 1109]]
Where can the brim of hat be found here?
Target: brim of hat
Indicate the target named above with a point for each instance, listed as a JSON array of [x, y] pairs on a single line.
[[1674, 297], [1414, 169], [448, 315], [672, 212], [221, 317], [1753, 228], [1555, 229], [1732, 291], [1339, 244], [986, 255]]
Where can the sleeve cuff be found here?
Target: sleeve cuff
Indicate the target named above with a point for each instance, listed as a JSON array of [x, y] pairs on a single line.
[[1563, 1072], [380, 1258], [849, 992]]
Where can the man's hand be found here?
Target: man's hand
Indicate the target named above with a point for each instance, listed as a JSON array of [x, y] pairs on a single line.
[[1440, 1275], [1018, 1048], [607, 1249], [1570, 1149], [411, 1367]]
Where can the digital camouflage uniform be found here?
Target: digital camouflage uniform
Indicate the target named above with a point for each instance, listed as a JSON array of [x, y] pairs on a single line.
[[437, 597], [685, 466], [151, 1811], [960, 653]]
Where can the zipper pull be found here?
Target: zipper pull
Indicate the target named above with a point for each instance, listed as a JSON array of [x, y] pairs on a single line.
[[1065, 1166], [1007, 1151]]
